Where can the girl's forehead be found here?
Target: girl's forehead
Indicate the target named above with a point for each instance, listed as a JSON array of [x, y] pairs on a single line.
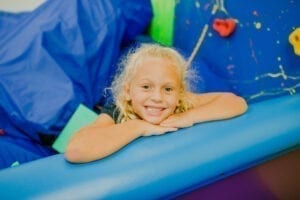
[[158, 70], [153, 58], [156, 63]]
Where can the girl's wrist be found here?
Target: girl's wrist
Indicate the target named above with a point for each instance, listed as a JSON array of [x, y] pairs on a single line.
[[137, 126]]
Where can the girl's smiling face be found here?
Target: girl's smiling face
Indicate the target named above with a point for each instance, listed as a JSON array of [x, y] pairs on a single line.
[[154, 90]]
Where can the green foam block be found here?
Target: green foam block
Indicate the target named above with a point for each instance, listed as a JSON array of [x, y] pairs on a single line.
[[81, 117]]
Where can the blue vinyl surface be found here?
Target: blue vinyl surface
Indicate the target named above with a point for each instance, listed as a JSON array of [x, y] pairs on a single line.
[[168, 165], [61, 54]]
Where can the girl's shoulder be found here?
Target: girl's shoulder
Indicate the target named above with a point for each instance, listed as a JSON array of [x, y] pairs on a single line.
[[111, 110]]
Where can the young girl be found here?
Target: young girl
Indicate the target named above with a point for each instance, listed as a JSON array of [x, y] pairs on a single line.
[[151, 98]]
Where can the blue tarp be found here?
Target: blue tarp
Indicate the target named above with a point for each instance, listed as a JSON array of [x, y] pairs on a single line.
[[55, 57]]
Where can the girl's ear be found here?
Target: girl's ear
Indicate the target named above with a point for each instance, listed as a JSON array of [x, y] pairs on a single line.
[[179, 102], [127, 93], [128, 97], [181, 96]]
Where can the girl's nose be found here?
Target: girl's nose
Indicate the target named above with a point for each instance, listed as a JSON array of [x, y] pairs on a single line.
[[156, 95]]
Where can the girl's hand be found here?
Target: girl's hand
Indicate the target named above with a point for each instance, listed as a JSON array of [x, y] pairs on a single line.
[[151, 129], [180, 120]]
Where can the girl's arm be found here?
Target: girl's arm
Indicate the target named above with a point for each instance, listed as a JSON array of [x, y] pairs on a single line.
[[104, 137], [208, 107]]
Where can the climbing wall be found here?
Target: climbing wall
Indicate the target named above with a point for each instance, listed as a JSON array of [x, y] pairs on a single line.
[[249, 47]]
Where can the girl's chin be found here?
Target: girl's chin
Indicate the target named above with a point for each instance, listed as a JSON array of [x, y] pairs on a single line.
[[153, 121]]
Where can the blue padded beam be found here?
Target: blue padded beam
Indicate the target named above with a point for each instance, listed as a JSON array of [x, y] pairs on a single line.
[[168, 165]]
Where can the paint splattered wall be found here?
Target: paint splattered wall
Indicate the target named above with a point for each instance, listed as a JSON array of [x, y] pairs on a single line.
[[245, 45]]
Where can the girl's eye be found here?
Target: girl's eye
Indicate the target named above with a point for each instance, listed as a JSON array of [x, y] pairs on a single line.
[[168, 89], [146, 87]]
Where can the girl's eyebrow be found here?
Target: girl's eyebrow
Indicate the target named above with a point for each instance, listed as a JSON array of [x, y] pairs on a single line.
[[172, 83], [144, 80]]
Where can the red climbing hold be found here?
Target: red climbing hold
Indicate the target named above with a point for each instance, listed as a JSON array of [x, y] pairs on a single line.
[[224, 26]]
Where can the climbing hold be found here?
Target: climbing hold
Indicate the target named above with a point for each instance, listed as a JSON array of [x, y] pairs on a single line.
[[294, 39], [224, 26]]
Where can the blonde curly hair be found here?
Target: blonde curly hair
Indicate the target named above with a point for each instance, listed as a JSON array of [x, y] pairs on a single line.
[[128, 67]]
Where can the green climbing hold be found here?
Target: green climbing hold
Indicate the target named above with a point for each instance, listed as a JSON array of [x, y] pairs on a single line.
[[162, 24]]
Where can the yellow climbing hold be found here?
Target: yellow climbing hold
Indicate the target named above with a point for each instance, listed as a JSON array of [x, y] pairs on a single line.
[[294, 39]]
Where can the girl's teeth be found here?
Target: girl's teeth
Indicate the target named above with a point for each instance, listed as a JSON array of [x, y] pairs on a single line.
[[154, 110]]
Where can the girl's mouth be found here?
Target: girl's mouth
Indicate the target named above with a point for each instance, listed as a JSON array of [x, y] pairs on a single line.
[[154, 111]]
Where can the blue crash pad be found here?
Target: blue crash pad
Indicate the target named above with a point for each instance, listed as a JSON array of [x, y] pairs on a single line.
[[168, 165], [52, 59]]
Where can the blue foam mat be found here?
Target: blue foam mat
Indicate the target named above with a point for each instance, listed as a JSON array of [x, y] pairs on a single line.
[[168, 165]]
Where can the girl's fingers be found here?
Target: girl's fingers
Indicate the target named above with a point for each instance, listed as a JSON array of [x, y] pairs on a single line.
[[177, 124], [167, 123], [161, 130], [165, 130], [172, 129]]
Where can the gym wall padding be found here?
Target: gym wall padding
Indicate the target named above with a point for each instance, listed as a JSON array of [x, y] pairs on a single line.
[[256, 61]]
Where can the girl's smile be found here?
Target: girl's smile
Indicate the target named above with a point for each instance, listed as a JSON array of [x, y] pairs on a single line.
[[154, 111]]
